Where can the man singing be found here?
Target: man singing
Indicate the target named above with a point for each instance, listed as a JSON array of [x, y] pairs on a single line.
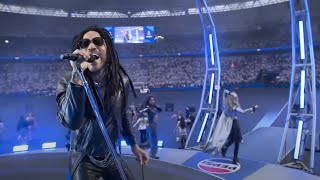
[[90, 157]]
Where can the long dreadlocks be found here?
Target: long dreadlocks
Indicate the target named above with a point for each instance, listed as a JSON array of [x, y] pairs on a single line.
[[113, 69]]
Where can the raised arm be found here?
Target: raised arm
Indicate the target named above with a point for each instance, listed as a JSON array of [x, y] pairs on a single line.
[[138, 121], [240, 110], [159, 109], [174, 116], [70, 98], [225, 94]]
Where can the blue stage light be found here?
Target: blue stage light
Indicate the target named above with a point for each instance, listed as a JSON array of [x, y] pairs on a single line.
[[298, 141], [202, 128]]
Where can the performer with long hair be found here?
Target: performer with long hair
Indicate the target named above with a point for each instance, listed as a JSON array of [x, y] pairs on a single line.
[[90, 157], [152, 109], [143, 124], [227, 130], [181, 129]]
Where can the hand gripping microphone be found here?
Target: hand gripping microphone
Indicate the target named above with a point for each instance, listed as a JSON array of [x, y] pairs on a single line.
[[76, 57]]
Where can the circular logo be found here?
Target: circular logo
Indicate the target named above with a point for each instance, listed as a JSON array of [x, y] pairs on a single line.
[[218, 166]]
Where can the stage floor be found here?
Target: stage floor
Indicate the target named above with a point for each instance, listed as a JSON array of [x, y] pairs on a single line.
[[173, 164]]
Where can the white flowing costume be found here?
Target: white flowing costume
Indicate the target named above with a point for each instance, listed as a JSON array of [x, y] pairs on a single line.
[[221, 133]]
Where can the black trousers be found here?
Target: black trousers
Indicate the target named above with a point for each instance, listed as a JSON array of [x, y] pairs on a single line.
[[143, 136], [86, 170], [183, 139], [234, 137]]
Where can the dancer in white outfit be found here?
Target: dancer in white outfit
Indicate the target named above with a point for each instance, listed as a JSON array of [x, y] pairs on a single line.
[[181, 129], [143, 123], [227, 130]]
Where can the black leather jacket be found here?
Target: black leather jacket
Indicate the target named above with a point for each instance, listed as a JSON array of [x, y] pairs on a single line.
[[76, 114]]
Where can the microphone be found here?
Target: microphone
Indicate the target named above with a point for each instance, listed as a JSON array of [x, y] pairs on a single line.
[[76, 57]]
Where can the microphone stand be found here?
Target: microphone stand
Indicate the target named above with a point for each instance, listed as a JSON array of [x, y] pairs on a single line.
[[100, 121]]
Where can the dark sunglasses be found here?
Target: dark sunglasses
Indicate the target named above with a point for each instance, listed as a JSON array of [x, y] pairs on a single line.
[[84, 43]]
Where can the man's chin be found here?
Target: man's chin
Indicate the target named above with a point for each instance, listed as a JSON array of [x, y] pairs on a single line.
[[93, 68]]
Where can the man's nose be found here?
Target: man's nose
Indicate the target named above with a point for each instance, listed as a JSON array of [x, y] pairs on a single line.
[[92, 46]]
